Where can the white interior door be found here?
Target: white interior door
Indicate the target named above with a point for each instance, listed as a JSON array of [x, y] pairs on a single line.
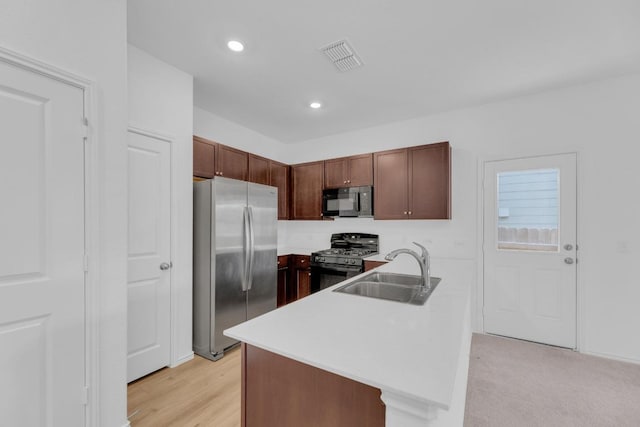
[[149, 264], [530, 249], [42, 300]]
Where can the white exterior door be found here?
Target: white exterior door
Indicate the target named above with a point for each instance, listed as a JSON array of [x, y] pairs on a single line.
[[530, 249], [149, 263], [42, 246]]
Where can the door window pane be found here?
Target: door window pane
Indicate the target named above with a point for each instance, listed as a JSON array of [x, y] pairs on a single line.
[[528, 210]]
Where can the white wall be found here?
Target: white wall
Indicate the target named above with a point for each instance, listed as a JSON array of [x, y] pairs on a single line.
[[88, 38], [598, 121], [210, 126], [161, 101]]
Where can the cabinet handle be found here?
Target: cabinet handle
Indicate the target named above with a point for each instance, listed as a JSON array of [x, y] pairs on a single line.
[[344, 182], [349, 181], [404, 213], [409, 212], [309, 274]]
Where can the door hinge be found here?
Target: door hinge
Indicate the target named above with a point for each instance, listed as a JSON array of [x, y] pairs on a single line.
[[85, 128], [84, 395], [85, 262]]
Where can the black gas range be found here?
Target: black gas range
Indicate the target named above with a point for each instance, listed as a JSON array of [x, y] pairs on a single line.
[[343, 260]]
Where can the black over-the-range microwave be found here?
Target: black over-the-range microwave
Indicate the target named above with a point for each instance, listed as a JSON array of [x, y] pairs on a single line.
[[348, 202]]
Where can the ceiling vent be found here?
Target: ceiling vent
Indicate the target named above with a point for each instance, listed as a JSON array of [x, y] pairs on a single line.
[[342, 55]]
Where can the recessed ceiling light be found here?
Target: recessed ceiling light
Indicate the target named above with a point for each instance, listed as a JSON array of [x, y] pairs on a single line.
[[315, 105], [235, 46]]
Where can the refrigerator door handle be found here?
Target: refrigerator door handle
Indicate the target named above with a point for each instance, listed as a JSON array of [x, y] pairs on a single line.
[[251, 249], [247, 244]]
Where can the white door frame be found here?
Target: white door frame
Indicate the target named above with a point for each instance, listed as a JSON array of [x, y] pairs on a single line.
[[91, 210], [478, 296]]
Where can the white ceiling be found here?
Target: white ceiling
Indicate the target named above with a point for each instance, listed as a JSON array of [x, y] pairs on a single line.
[[421, 57]]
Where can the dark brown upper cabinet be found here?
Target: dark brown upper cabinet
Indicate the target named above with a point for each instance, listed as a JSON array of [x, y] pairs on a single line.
[[211, 159], [204, 157], [258, 169], [354, 171], [307, 180], [232, 163], [413, 183], [280, 176], [276, 174]]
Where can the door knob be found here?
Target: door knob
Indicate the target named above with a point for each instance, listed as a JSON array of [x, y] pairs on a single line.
[[568, 247], [568, 260], [165, 266]]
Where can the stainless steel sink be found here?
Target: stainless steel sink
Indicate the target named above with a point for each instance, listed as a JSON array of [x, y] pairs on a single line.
[[390, 286]]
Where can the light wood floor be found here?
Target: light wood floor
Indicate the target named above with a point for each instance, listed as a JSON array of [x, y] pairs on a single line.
[[197, 393]]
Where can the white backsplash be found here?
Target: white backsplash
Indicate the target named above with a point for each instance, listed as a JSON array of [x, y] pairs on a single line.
[[439, 237]]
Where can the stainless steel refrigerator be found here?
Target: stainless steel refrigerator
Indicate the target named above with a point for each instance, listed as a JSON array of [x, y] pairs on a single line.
[[234, 259]]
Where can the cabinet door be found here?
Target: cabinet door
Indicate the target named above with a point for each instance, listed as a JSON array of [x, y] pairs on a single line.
[[360, 170], [283, 281], [232, 163], [303, 283], [258, 169], [390, 184], [204, 157], [429, 182], [335, 173], [307, 190], [282, 286], [279, 177]]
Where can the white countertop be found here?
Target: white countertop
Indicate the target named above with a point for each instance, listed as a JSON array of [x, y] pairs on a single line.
[[409, 350]]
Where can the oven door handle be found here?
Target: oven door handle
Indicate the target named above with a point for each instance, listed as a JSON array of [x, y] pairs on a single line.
[[338, 269]]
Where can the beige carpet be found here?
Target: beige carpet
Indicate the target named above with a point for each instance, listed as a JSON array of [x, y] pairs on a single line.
[[517, 383]]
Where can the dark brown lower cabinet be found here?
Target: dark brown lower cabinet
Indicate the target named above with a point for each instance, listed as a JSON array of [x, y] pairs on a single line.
[[294, 278], [281, 392], [370, 265], [301, 275], [303, 283], [284, 293]]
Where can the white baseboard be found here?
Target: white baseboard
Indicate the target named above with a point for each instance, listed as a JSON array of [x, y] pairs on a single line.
[[182, 360], [612, 356]]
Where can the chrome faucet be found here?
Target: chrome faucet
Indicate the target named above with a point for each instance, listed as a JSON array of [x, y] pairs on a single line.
[[424, 261]]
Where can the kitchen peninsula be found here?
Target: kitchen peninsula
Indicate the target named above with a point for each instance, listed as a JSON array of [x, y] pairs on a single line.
[[361, 352]]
